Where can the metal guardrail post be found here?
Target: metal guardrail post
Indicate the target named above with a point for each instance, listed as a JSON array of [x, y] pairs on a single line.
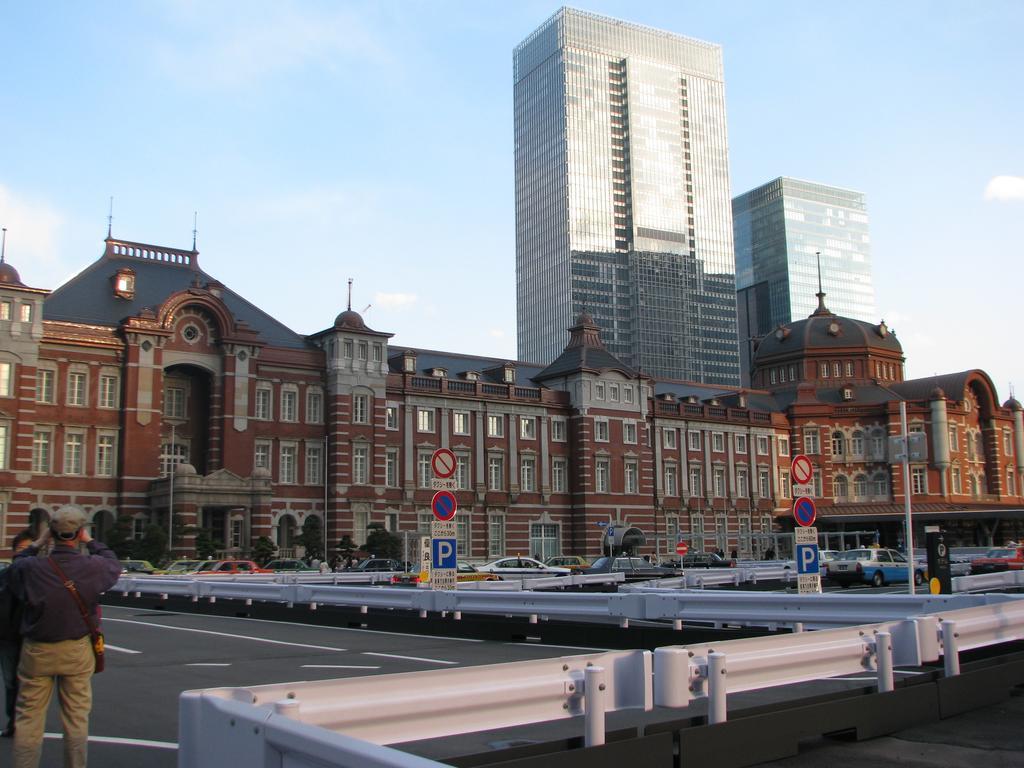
[[287, 708], [883, 656], [950, 648], [594, 702], [672, 684], [717, 688]]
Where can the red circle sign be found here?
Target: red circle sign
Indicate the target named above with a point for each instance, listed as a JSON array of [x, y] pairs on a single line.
[[444, 505], [443, 462], [804, 511], [802, 469], [682, 548]]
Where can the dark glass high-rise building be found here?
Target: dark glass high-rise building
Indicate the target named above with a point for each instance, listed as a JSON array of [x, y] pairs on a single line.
[[622, 196], [779, 228]]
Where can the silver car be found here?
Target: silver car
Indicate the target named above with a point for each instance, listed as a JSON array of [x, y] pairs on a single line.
[[522, 567]]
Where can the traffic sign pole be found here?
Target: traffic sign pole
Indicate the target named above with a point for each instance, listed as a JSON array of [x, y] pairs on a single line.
[[808, 563]]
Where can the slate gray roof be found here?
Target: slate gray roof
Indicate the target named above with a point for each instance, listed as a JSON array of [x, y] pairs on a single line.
[[89, 297], [813, 333], [489, 368], [584, 352], [952, 384]]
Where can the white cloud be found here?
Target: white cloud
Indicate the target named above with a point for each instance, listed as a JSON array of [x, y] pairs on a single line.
[[32, 229], [394, 300], [1005, 188]]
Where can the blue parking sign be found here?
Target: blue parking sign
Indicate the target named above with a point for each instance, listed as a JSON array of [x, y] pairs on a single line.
[[807, 560], [443, 553]]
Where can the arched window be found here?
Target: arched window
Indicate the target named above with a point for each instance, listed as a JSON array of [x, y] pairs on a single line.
[[857, 443], [877, 444], [880, 484], [979, 446], [860, 486], [975, 486], [840, 487], [837, 443]]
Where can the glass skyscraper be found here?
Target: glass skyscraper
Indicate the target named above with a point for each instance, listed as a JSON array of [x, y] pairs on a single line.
[[778, 229], [622, 196]]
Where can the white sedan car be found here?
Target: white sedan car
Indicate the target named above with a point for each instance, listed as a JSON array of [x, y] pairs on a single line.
[[522, 567]]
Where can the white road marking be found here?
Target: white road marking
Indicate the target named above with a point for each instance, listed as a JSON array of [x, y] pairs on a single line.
[[209, 664], [109, 647], [336, 666], [293, 624], [118, 740], [549, 645], [228, 634], [408, 658]]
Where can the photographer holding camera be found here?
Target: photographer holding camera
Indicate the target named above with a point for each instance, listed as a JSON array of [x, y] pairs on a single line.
[[59, 628]]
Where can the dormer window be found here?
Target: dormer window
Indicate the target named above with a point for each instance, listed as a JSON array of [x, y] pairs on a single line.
[[509, 374], [471, 375], [124, 283], [409, 362], [439, 373]]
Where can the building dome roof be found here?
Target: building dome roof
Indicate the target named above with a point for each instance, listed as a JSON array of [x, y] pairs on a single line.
[[350, 319], [825, 331], [9, 275]]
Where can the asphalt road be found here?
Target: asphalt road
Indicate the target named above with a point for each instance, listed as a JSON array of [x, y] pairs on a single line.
[[152, 656]]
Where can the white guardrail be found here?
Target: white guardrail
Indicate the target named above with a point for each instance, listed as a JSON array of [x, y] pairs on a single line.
[[347, 722], [984, 582], [632, 603]]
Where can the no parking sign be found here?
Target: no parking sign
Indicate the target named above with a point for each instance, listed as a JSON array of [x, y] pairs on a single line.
[[804, 511]]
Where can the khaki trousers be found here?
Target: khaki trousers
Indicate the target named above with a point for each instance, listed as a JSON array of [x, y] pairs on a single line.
[[70, 663]]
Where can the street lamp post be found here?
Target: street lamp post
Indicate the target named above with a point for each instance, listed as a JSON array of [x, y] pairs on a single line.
[[170, 513]]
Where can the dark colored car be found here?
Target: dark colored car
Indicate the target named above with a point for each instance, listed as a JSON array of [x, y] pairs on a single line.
[[705, 560], [635, 568]]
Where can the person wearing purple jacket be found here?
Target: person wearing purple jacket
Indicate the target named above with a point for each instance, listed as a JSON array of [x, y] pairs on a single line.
[[56, 640]]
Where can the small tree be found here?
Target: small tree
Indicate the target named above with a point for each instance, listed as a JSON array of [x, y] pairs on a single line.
[[205, 544], [381, 542], [263, 550], [346, 546], [153, 544], [120, 538], [312, 537]]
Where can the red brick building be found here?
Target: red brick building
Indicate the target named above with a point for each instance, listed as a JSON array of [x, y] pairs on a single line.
[[144, 384]]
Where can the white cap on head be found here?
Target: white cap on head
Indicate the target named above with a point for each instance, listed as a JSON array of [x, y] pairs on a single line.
[[68, 521]]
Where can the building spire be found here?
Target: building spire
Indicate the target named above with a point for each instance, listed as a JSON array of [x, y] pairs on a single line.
[[350, 294], [195, 222], [110, 219], [822, 309], [3, 247]]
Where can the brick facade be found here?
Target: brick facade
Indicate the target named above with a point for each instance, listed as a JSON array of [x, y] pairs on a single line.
[[110, 383]]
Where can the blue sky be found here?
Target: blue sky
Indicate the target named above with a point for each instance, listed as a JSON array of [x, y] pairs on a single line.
[[373, 140]]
